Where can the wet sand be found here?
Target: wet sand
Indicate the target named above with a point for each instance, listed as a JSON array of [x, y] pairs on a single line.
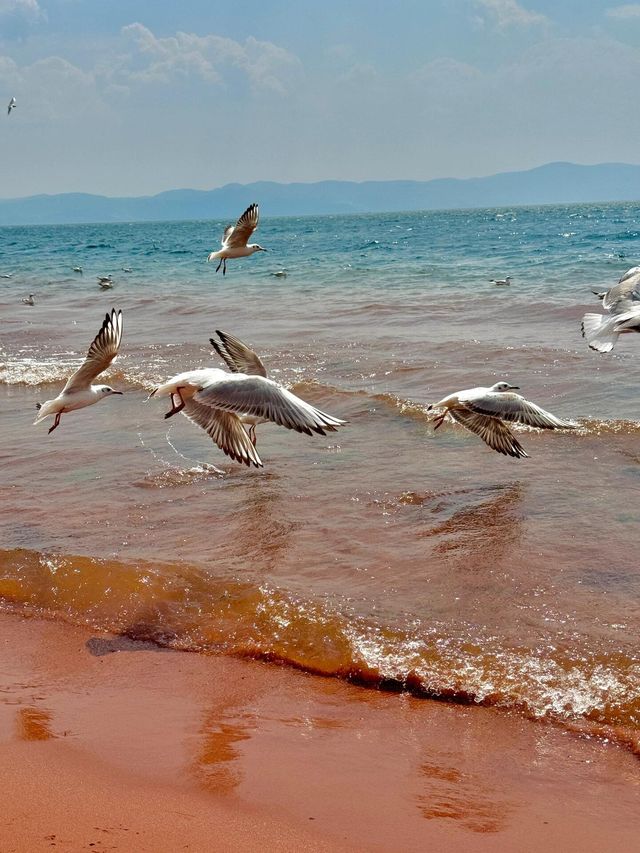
[[111, 744]]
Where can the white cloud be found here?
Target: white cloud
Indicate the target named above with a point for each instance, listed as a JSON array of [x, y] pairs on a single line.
[[509, 13], [630, 10], [152, 59], [29, 9]]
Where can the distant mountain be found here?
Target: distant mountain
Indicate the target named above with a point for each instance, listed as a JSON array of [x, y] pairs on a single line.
[[554, 183]]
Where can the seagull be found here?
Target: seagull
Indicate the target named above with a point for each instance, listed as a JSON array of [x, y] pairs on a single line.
[[622, 301], [234, 239], [483, 410], [219, 402], [126, 269], [79, 392], [29, 300], [105, 282], [279, 273], [240, 359], [501, 281], [12, 105], [77, 269], [6, 275]]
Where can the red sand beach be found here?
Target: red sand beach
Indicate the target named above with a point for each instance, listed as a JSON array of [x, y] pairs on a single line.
[[109, 744]]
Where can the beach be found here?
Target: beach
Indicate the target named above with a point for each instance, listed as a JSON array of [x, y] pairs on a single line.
[[389, 637], [109, 744]]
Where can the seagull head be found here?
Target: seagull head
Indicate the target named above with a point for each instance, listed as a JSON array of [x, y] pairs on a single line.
[[504, 386], [106, 390], [256, 247]]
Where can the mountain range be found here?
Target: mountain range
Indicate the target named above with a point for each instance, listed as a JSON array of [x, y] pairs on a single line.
[[553, 183]]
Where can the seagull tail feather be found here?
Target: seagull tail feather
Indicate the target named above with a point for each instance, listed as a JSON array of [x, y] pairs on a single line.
[[599, 332]]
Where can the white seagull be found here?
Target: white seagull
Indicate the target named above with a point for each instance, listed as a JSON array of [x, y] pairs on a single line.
[[483, 410], [234, 239], [622, 301], [220, 402], [240, 359], [79, 392], [29, 300], [501, 282], [12, 105], [105, 282]]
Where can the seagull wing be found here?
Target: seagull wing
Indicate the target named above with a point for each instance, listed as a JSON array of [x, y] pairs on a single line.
[[236, 236], [101, 353], [225, 429], [492, 431], [263, 398], [513, 407], [237, 356]]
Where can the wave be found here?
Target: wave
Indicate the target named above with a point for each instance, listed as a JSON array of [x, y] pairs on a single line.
[[186, 608]]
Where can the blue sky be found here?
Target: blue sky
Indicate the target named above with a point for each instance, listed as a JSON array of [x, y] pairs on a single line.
[[131, 98]]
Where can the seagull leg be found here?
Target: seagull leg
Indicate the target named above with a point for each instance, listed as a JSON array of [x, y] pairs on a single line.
[[219, 265], [224, 267], [55, 423], [175, 409], [439, 420]]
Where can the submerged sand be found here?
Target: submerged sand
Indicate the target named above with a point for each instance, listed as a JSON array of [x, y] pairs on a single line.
[[109, 744]]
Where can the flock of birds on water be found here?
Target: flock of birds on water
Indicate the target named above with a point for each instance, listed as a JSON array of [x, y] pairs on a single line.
[[229, 406]]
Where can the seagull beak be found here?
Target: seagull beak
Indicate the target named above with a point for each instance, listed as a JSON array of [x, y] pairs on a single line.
[[263, 250], [117, 392], [514, 387]]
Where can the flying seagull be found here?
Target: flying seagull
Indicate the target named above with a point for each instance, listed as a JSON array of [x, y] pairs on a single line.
[[12, 105], [483, 410], [501, 282], [220, 402], [622, 301], [79, 392], [29, 300], [240, 359], [234, 239]]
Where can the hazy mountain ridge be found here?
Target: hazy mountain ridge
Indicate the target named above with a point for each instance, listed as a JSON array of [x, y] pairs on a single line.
[[553, 183]]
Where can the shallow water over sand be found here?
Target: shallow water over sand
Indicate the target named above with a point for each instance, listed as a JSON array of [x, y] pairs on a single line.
[[383, 553]]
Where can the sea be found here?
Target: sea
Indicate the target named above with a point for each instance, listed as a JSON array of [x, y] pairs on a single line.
[[384, 554]]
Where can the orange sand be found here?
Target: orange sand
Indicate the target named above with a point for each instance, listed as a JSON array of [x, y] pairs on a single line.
[[106, 744]]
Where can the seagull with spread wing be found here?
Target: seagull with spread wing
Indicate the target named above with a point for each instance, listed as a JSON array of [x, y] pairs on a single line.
[[483, 410], [235, 239], [622, 301], [12, 105], [221, 403], [79, 392]]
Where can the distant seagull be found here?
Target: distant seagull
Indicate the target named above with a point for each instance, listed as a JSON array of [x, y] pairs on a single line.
[[126, 269], [622, 301], [12, 105], [79, 392], [77, 269], [29, 300], [240, 359], [218, 402], [105, 281], [279, 273], [6, 275], [234, 239], [501, 281], [483, 410]]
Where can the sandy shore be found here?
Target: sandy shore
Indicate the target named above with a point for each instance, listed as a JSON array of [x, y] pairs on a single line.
[[107, 744]]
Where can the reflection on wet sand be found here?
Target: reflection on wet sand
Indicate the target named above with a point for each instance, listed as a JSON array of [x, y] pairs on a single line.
[[217, 764], [454, 795], [34, 724]]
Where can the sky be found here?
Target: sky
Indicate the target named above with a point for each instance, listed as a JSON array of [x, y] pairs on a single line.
[[133, 97]]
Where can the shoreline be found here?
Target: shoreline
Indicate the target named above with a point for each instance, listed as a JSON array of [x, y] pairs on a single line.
[[110, 743]]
